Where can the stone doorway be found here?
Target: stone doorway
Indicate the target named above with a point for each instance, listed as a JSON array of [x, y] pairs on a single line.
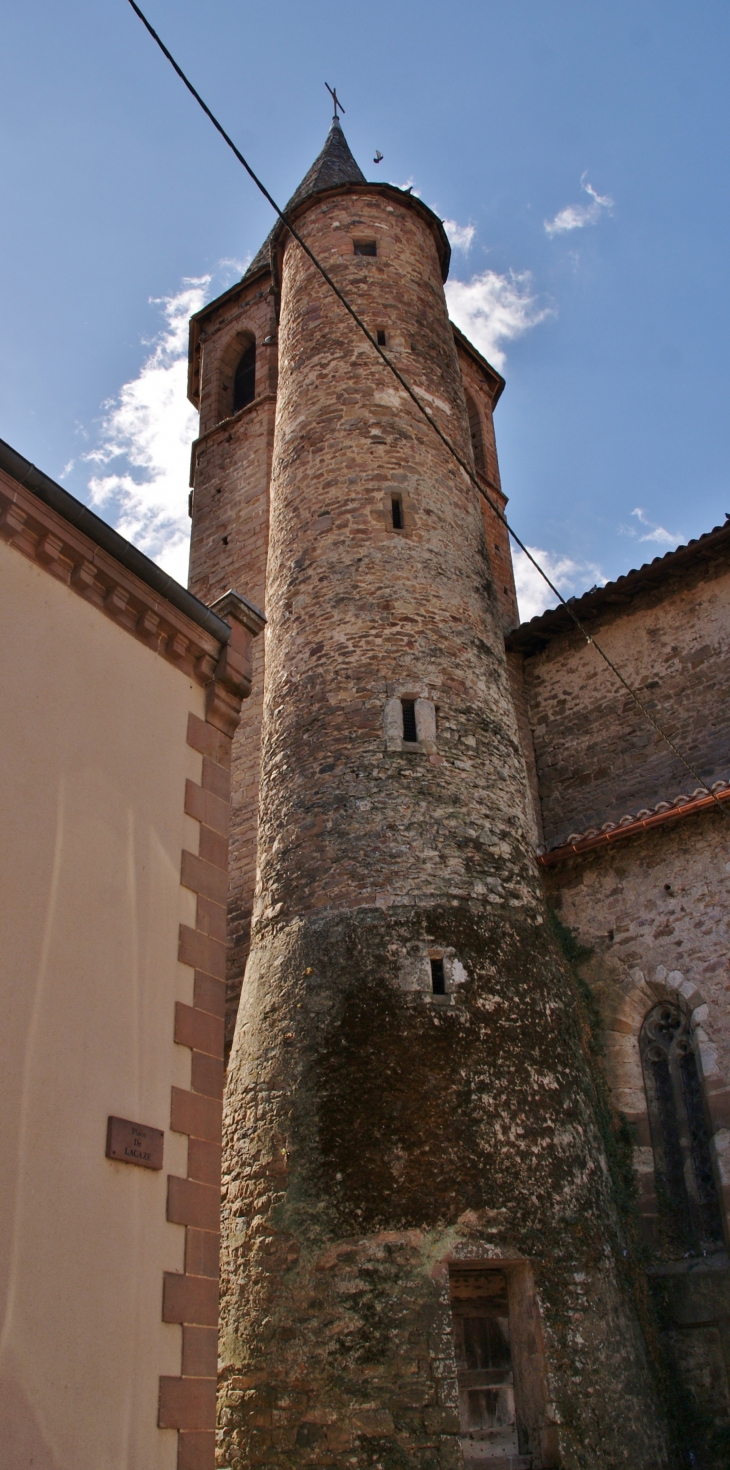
[[490, 1435]]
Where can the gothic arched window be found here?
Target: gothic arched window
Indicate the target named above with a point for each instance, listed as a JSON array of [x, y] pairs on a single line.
[[475, 429], [244, 382], [685, 1182]]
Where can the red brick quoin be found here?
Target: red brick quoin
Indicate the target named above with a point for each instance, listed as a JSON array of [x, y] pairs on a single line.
[[187, 1403]]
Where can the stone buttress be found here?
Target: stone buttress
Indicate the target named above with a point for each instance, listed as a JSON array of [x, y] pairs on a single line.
[[408, 1118]]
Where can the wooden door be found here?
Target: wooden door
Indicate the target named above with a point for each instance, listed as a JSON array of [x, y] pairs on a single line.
[[484, 1369]]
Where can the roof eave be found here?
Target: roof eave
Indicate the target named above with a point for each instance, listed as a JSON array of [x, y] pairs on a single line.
[[534, 636], [26, 474], [497, 382]]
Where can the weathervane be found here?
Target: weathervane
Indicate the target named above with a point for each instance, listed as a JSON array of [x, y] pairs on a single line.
[[333, 94]]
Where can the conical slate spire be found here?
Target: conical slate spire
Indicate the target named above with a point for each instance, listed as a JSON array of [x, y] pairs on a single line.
[[334, 165]]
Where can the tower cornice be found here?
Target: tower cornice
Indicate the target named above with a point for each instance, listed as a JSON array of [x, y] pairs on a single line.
[[495, 381]]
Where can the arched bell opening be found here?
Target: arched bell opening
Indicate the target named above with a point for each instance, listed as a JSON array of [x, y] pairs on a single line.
[[244, 378], [236, 375]]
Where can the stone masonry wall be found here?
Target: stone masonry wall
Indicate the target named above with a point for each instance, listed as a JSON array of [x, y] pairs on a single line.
[[516, 672], [394, 613], [649, 906], [656, 912], [497, 538], [597, 757], [231, 469], [376, 1131]]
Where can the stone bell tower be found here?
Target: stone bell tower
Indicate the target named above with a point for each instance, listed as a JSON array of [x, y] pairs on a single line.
[[421, 1256]]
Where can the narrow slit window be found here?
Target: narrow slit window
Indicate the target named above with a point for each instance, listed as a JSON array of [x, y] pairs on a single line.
[[381, 337], [396, 506], [410, 733], [366, 247], [438, 978], [244, 383]]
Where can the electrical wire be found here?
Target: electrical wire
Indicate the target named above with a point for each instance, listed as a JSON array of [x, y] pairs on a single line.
[[425, 412]]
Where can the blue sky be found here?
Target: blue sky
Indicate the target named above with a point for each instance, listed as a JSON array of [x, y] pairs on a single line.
[[579, 150]]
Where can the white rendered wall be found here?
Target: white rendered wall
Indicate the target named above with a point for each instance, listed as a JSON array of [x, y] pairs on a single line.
[[94, 762]]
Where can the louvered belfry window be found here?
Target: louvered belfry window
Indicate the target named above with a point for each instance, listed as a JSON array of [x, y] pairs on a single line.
[[689, 1209]]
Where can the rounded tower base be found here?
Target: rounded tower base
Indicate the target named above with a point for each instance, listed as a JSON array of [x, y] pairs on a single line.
[[394, 1152]]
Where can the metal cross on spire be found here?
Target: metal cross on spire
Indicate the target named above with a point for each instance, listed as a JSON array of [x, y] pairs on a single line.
[[333, 94]]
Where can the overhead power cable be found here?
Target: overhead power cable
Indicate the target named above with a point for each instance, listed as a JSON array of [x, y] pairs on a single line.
[[425, 412]]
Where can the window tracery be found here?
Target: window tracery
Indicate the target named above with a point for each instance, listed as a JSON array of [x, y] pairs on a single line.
[[685, 1181]]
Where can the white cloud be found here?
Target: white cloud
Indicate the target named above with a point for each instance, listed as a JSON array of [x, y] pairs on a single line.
[[460, 236], [148, 429], [491, 309], [570, 577], [653, 532], [577, 216], [230, 265], [409, 184]]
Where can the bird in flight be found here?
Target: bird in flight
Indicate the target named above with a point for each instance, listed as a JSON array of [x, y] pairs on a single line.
[[378, 156]]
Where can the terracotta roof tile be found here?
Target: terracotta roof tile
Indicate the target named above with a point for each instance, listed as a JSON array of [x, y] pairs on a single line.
[[634, 823]]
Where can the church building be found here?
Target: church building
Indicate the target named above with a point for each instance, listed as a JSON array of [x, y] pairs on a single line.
[[469, 1007], [465, 874]]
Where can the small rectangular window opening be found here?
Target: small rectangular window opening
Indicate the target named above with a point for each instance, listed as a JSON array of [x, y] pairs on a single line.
[[366, 247], [381, 339], [438, 979], [410, 733], [397, 509]]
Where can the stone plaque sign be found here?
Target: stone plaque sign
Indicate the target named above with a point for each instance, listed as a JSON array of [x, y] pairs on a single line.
[[134, 1143]]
